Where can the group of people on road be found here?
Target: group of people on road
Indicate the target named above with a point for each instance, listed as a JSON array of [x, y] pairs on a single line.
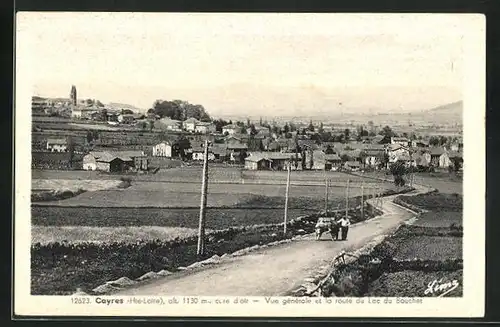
[[334, 227]]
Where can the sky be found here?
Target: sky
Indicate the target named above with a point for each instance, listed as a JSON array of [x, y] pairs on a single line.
[[232, 64]]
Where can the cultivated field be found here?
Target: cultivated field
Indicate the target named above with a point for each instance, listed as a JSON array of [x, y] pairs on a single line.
[[84, 234], [413, 283], [72, 185]]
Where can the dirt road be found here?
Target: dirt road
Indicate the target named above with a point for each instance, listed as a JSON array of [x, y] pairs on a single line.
[[273, 271]]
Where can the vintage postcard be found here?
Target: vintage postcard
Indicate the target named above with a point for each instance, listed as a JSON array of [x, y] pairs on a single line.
[[249, 165]]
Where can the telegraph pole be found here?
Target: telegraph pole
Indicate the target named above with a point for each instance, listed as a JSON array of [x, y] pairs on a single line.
[[203, 205], [362, 201], [326, 196], [347, 200], [286, 195]]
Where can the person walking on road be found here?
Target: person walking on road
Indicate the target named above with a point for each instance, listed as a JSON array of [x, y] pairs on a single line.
[[334, 229], [344, 227]]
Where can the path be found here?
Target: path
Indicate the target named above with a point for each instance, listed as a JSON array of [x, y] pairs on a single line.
[[273, 271]]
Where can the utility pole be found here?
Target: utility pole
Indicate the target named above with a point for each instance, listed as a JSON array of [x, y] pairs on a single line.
[[347, 200], [371, 190], [362, 201], [326, 196], [203, 205], [286, 195]]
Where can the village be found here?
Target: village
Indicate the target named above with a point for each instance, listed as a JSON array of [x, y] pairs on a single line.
[[121, 141]]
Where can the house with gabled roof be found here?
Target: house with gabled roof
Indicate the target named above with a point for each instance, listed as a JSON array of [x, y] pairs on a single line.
[[105, 160], [190, 124]]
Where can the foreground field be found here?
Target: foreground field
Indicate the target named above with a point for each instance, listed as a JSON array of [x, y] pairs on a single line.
[[184, 218], [73, 185], [216, 174], [411, 283], [171, 195], [86, 234]]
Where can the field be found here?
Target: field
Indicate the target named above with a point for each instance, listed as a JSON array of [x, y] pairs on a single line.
[[152, 225], [445, 183], [436, 202], [72, 185], [216, 174], [186, 218], [93, 234], [440, 219], [429, 248], [59, 267], [411, 283]]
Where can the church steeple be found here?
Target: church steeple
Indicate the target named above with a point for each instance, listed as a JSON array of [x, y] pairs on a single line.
[[72, 95]]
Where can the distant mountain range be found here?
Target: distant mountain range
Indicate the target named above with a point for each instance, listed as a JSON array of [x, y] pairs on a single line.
[[448, 114]]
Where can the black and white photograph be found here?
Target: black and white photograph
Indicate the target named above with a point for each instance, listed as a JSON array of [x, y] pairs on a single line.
[[276, 159]]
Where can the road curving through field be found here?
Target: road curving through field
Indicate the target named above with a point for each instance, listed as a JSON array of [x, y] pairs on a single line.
[[277, 270]]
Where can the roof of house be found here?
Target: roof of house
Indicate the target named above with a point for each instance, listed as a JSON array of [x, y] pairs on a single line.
[[399, 139], [191, 120], [455, 154], [231, 126], [236, 146], [332, 157], [168, 121], [108, 157], [118, 154], [255, 158], [394, 147], [164, 142], [378, 138], [240, 136], [56, 141], [437, 151], [351, 153], [272, 156], [353, 163], [201, 123], [403, 157]]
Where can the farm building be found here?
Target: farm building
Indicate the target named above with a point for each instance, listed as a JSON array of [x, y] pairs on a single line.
[[126, 119], [400, 140], [231, 129], [257, 162], [395, 151], [162, 149], [436, 153], [103, 160], [220, 152], [57, 145], [422, 159], [444, 160], [198, 154], [352, 165], [419, 144], [190, 124], [271, 160], [169, 124], [80, 112], [323, 161], [204, 128]]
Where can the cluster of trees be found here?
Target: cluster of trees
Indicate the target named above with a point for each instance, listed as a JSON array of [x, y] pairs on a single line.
[[179, 110]]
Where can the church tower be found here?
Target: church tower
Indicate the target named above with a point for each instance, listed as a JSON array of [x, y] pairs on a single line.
[[72, 95]]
